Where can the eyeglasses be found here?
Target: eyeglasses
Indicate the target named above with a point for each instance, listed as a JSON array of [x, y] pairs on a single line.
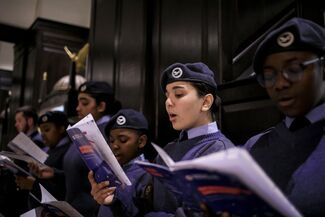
[[292, 72]]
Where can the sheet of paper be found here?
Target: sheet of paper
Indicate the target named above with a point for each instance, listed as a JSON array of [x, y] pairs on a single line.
[[24, 143], [164, 156], [92, 132]]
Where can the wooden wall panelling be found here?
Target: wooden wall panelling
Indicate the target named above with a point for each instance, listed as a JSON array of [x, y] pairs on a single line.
[[140, 40], [246, 108], [40, 51]]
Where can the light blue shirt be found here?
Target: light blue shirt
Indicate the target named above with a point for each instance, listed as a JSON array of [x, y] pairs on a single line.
[[316, 114], [103, 119], [202, 130]]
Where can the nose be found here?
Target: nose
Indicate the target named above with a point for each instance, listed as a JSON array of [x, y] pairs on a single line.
[[281, 82], [168, 102], [114, 145], [78, 108]]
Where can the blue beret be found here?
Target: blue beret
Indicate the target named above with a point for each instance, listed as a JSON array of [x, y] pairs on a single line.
[[57, 117], [296, 34], [96, 87], [192, 72], [127, 118]]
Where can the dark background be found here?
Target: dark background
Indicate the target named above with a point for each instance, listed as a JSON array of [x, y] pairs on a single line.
[[131, 42]]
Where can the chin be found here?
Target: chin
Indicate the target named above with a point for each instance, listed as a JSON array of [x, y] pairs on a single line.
[[175, 127]]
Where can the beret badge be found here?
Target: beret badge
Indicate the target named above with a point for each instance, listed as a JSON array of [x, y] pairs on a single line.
[[177, 72], [285, 39], [83, 88], [44, 118], [120, 120]]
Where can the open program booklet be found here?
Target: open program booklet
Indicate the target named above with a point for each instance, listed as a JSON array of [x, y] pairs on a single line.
[[7, 163], [49, 206], [226, 181], [96, 153], [25, 149]]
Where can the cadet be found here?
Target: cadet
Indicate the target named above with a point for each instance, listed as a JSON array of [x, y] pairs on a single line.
[[97, 98], [53, 126], [289, 63], [128, 135], [26, 122], [191, 104]]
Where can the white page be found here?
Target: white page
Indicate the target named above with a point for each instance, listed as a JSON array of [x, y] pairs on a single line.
[[21, 157], [24, 143], [93, 134], [65, 207], [164, 156], [8, 163], [30, 213], [46, 196], [239, 163]]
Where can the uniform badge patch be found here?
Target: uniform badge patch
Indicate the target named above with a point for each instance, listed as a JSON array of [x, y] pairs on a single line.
[[120, 120], [177, 72], [286, 39]]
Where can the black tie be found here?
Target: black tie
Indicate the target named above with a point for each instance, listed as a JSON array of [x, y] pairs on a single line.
[[298, 123], [183, 136]]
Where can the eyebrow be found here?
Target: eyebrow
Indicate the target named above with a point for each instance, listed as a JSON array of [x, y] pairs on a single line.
[[83, 98]]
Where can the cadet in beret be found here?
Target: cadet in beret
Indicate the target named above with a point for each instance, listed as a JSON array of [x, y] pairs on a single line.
[[289, 64], [128, 135], [97, 98], [191, 104], [53, 126]]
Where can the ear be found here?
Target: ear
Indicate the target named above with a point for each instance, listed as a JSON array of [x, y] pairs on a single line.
[[207, 102], [101, 107], [62, 129], [30, 122], [142, 141]]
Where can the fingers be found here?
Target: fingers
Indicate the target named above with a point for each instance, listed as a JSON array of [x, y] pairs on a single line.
[[25, 183], [100, 191], [34, 168], [105, 196]]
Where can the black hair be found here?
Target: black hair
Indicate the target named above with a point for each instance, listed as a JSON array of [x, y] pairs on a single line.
[[148, 150], [28, 112], [204, 89], [112, 104]]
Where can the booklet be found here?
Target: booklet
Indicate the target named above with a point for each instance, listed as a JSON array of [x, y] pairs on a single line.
[[22, 144], [51, 207], [96, 153], [7, 163], [226, 181], [22, 157]]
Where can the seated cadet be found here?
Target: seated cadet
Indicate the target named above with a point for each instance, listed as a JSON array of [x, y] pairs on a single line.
[[53, 126], [289, 63], [191, 104], [128, 134]]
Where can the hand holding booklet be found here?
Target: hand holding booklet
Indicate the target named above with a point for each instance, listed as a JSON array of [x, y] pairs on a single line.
[[7, 163], [226, 181], [96, 153]]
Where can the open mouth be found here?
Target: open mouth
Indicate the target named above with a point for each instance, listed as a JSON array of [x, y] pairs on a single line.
[[172, 116], [285, 101]]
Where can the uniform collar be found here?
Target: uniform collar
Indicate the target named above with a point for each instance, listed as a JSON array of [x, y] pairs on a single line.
[[202, 130], [103, 119], [140, 158], [314, 115]]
